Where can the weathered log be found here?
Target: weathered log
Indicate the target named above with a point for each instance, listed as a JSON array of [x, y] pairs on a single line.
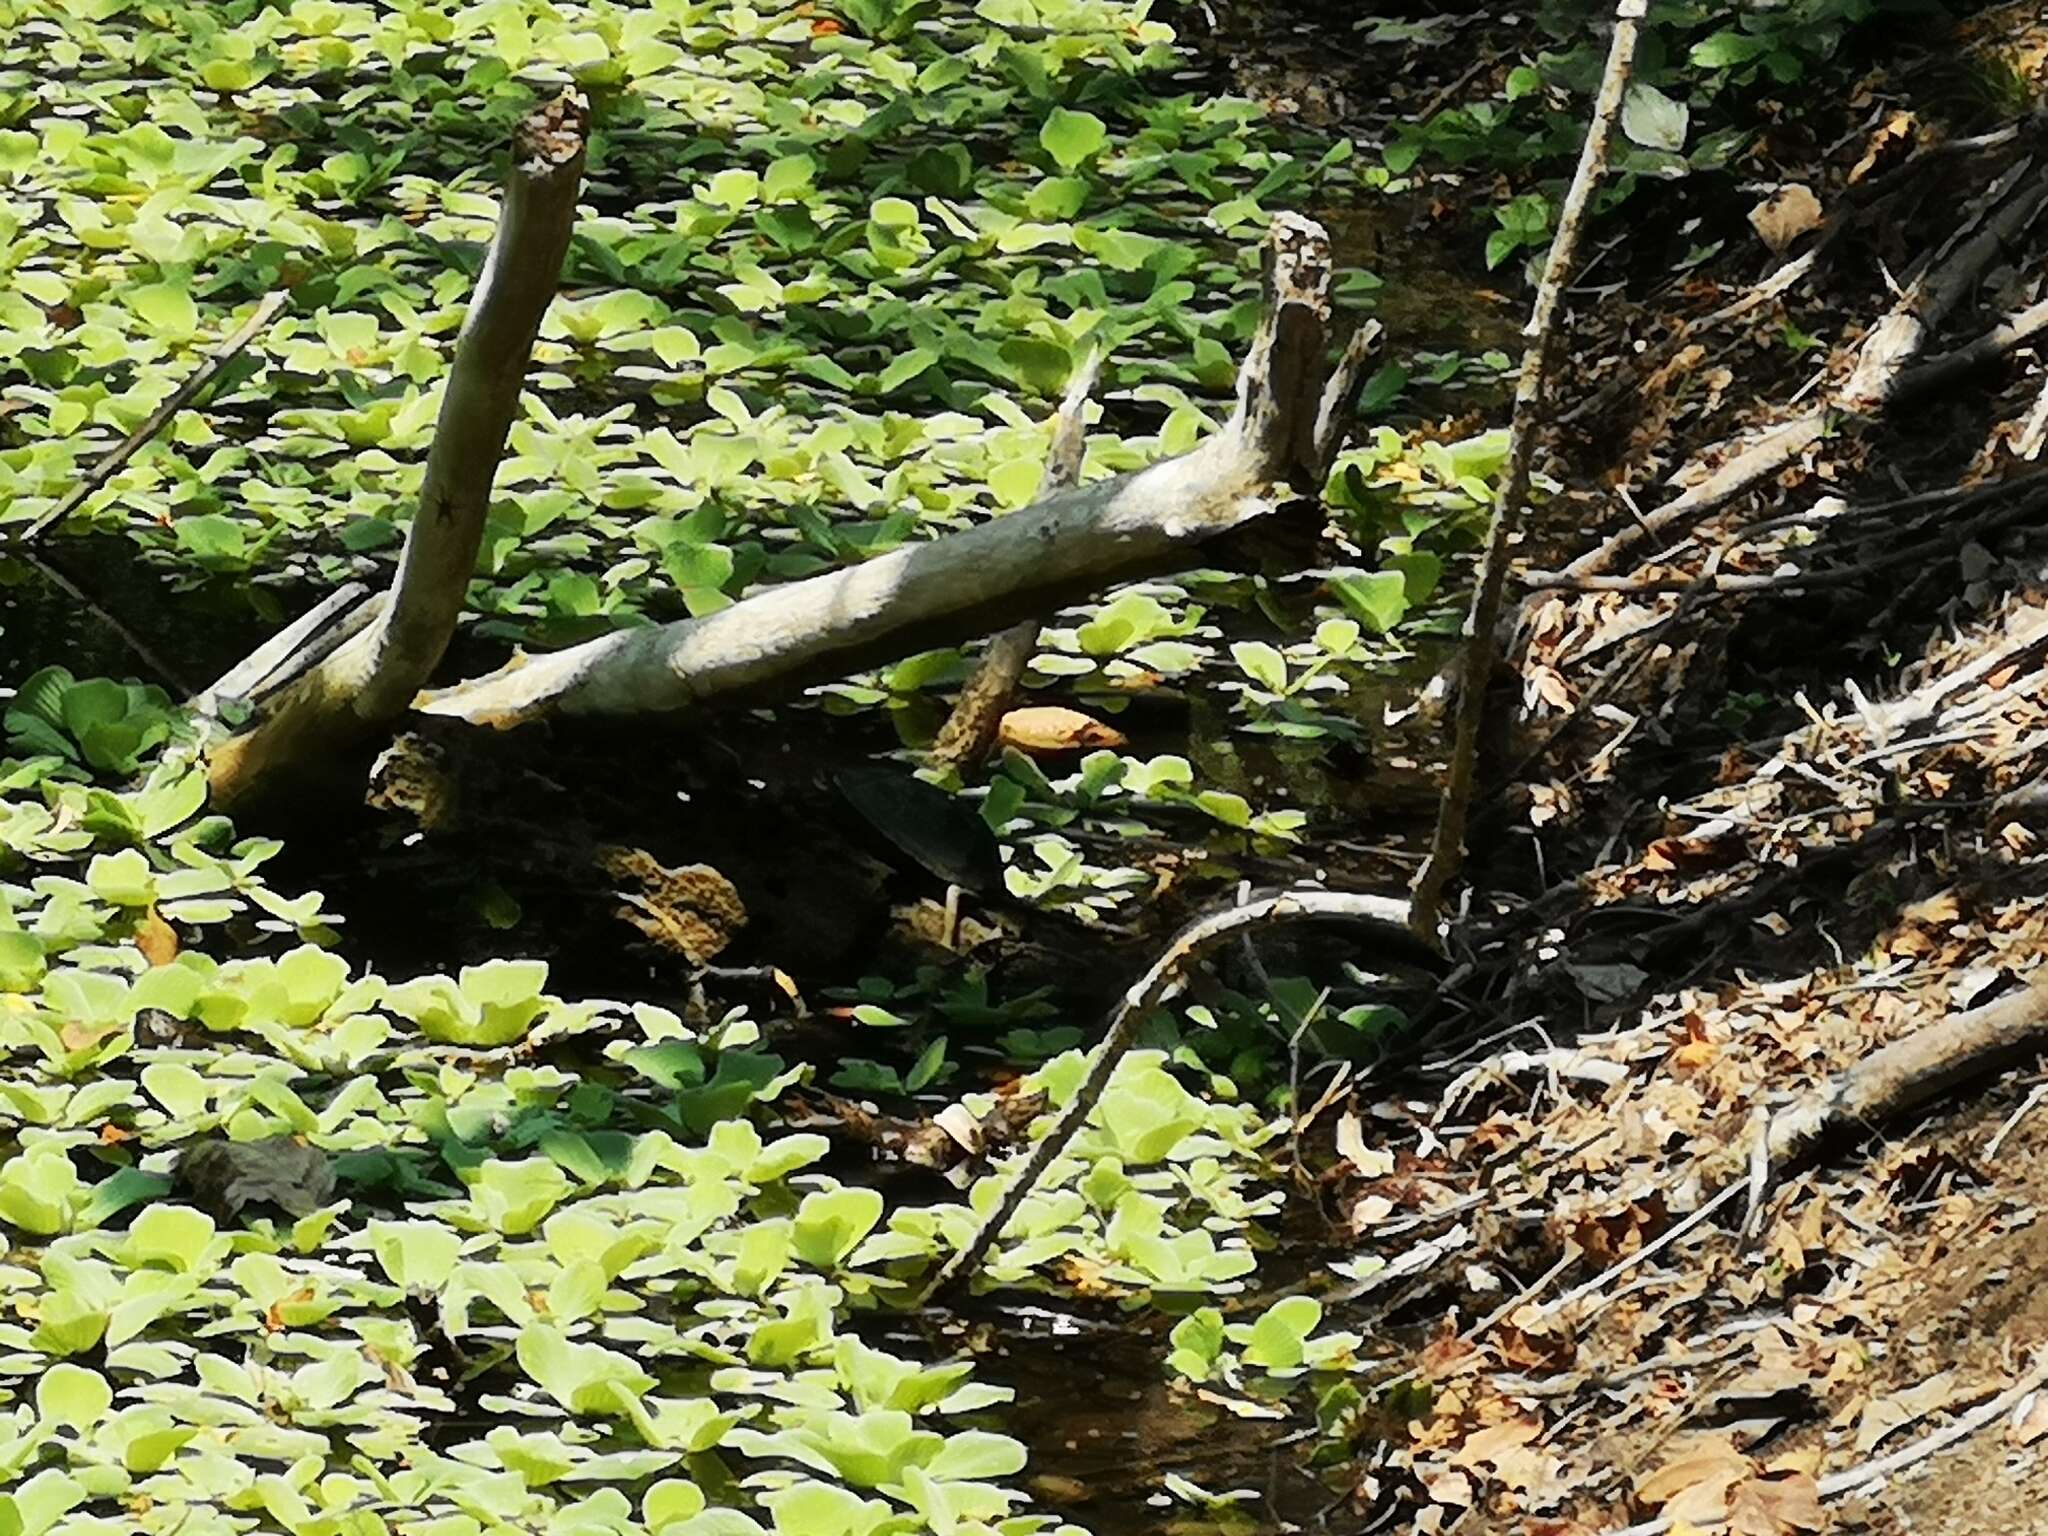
[[1020, 566]]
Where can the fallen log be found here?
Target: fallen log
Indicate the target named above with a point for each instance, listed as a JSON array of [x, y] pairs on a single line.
[[1020, 566]]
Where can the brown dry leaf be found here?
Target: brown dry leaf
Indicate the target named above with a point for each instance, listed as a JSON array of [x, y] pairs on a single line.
[[1888, 145], [1691, 853], [1489, 1446], [157, 939], [1772, 1506], [1694, 1486], [1784, 216], [1450, 1488], [1049, 728], [1886, 1415]]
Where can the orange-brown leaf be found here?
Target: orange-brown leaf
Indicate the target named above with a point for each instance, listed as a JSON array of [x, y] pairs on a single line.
[[1048, 728]]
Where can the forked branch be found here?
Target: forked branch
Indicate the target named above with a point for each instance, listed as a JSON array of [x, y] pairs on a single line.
[[371, 678], [1023, 565]]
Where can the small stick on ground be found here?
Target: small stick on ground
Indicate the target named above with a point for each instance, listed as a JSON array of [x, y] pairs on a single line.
[[1447, 848], [1384, 918], [970, 730]]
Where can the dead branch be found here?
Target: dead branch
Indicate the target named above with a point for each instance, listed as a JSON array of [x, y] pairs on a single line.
[[1447, 847], [1384, 919], [371, 678], [1019, 566], [1883, 377], [970, 730], [1993, 346], [1910, 1071], [110, 465]]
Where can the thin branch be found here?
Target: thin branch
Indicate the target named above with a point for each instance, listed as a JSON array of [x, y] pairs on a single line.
[[1383, 918], [110, 464], [1447, 847]]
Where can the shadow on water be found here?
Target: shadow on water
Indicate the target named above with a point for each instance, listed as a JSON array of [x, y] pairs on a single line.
[[94, 605], [1108, 1430]]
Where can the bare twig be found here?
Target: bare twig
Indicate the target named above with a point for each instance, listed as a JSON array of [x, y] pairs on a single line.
[[1385, 918], [110, 464], [1657, 1245], [1447, 847], [49, 571]]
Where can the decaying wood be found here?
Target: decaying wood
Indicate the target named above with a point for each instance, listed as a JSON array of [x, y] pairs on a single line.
[[1482, 619], [1382, 919], [1921, 1066], [1023, 565], [1884, 377], [970, 730], [208, 370], [371, 678]]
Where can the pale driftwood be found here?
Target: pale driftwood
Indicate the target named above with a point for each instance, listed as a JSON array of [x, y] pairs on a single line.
[[1383, 920], [977, 716], [371, 678], [109, 465], [1482, 619], [1023, 565], [1910, 1071], [1883, 377]]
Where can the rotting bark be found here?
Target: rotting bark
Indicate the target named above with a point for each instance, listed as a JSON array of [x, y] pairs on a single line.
[[1382, 919], [970, 730], [1482, 620], [1022, 565], [371, 678]]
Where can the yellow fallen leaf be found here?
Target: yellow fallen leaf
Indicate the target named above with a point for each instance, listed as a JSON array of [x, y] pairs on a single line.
[[1054, 728], [1784, 216], [157, 939]]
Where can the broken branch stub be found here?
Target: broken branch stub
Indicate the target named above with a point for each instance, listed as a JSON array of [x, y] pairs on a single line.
[[372, 677], [1030, 562]]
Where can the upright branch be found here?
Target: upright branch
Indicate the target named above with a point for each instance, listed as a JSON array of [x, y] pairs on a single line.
[[1447, 847], [371, 677], [1022, 565], [971, 729]]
